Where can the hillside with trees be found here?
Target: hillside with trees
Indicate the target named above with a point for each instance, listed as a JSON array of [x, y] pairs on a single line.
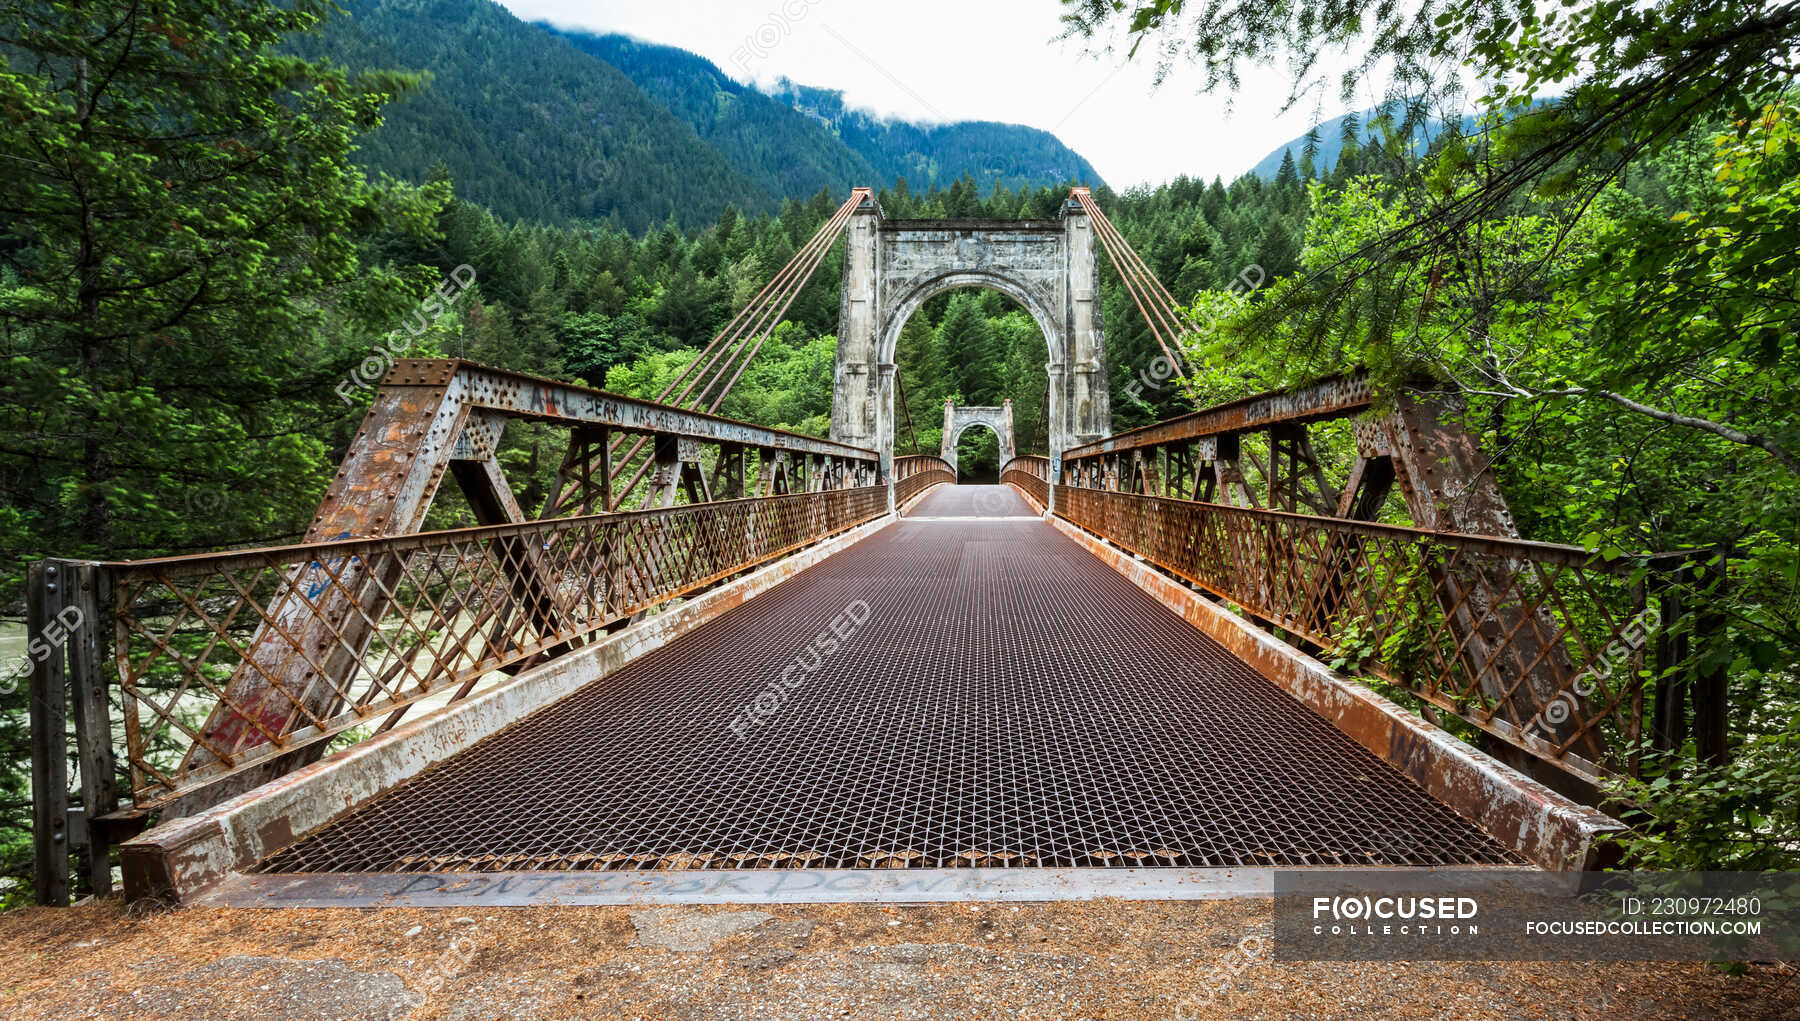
[[784, 151], [538, 124], [525, 124], [937, 155]]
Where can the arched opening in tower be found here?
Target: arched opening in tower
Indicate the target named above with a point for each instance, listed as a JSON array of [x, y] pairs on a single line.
[[974, 347]]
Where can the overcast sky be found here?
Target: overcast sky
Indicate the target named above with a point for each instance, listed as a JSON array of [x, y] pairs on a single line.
[[965, 60]]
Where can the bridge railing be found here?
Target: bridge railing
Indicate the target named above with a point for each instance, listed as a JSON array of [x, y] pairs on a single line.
[[1396, 603], [1539, 646], [915, 473], [1031, 473], [154, 645], [440, 612], [192, 679]]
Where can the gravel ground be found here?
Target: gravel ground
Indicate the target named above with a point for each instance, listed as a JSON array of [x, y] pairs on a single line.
[[1093, 960]]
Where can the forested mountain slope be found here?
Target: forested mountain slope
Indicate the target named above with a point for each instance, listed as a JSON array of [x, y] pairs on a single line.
[[784, 151], [543, 125], [1005, 155], [796, 139], [526, 124]]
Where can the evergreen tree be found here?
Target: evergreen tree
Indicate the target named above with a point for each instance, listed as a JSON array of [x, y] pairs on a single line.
[[190, 268], [184, 282], [970, 351], [1287, 177]]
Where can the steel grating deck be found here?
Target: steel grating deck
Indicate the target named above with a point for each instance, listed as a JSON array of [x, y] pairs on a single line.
[[993, 696], [972, 501]]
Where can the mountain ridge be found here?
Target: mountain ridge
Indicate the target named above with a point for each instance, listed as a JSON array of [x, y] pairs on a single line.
[[535, 124], [1330, 137], [889, 148]]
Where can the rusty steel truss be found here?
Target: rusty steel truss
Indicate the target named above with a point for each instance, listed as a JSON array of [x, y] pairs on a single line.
[[442, 610], [436, 418], [1547, 649], [207, 675], [1392, 602]]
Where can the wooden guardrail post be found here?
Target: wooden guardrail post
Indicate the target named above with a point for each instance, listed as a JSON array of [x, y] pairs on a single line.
[[70, 604], [45, 586], [88, 588]]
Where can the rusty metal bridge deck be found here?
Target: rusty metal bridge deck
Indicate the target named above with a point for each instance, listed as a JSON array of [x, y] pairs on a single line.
[[993, 695], [973, 502]]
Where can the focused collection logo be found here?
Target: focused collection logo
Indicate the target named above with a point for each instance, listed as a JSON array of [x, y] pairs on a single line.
[[1364, 915]]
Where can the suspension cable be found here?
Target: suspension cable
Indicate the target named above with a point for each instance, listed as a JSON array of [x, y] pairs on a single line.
[[911, 433], [828, 235], [781, 293], [1153, 300], [1131, 265], [746, 332]]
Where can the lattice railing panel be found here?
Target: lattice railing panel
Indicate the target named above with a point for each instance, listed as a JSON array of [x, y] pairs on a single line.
[[382, 624], [915, 473], [1540, 644], [1031, 474]]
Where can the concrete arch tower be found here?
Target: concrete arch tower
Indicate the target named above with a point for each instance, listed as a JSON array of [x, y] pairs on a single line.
[[891, 267]]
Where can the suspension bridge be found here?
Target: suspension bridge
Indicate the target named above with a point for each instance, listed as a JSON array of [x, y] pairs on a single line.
[[1146, 661]]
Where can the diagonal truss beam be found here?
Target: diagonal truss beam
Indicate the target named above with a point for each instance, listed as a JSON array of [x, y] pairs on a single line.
[[433, 418], [1448, 484]]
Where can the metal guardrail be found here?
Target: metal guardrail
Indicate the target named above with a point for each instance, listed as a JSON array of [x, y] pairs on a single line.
[[443, 611], [1031, 474], [915, 473], [1335, 397], [208, 675], [1543, 647], [432, 615], [1547, 647]]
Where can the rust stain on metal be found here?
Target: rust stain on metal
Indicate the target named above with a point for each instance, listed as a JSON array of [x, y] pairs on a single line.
[[316, 612], [240, 832], [452, 609], [1030, 474], [1481, 623], [1329, 398], [276, 831], [915, 473]]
